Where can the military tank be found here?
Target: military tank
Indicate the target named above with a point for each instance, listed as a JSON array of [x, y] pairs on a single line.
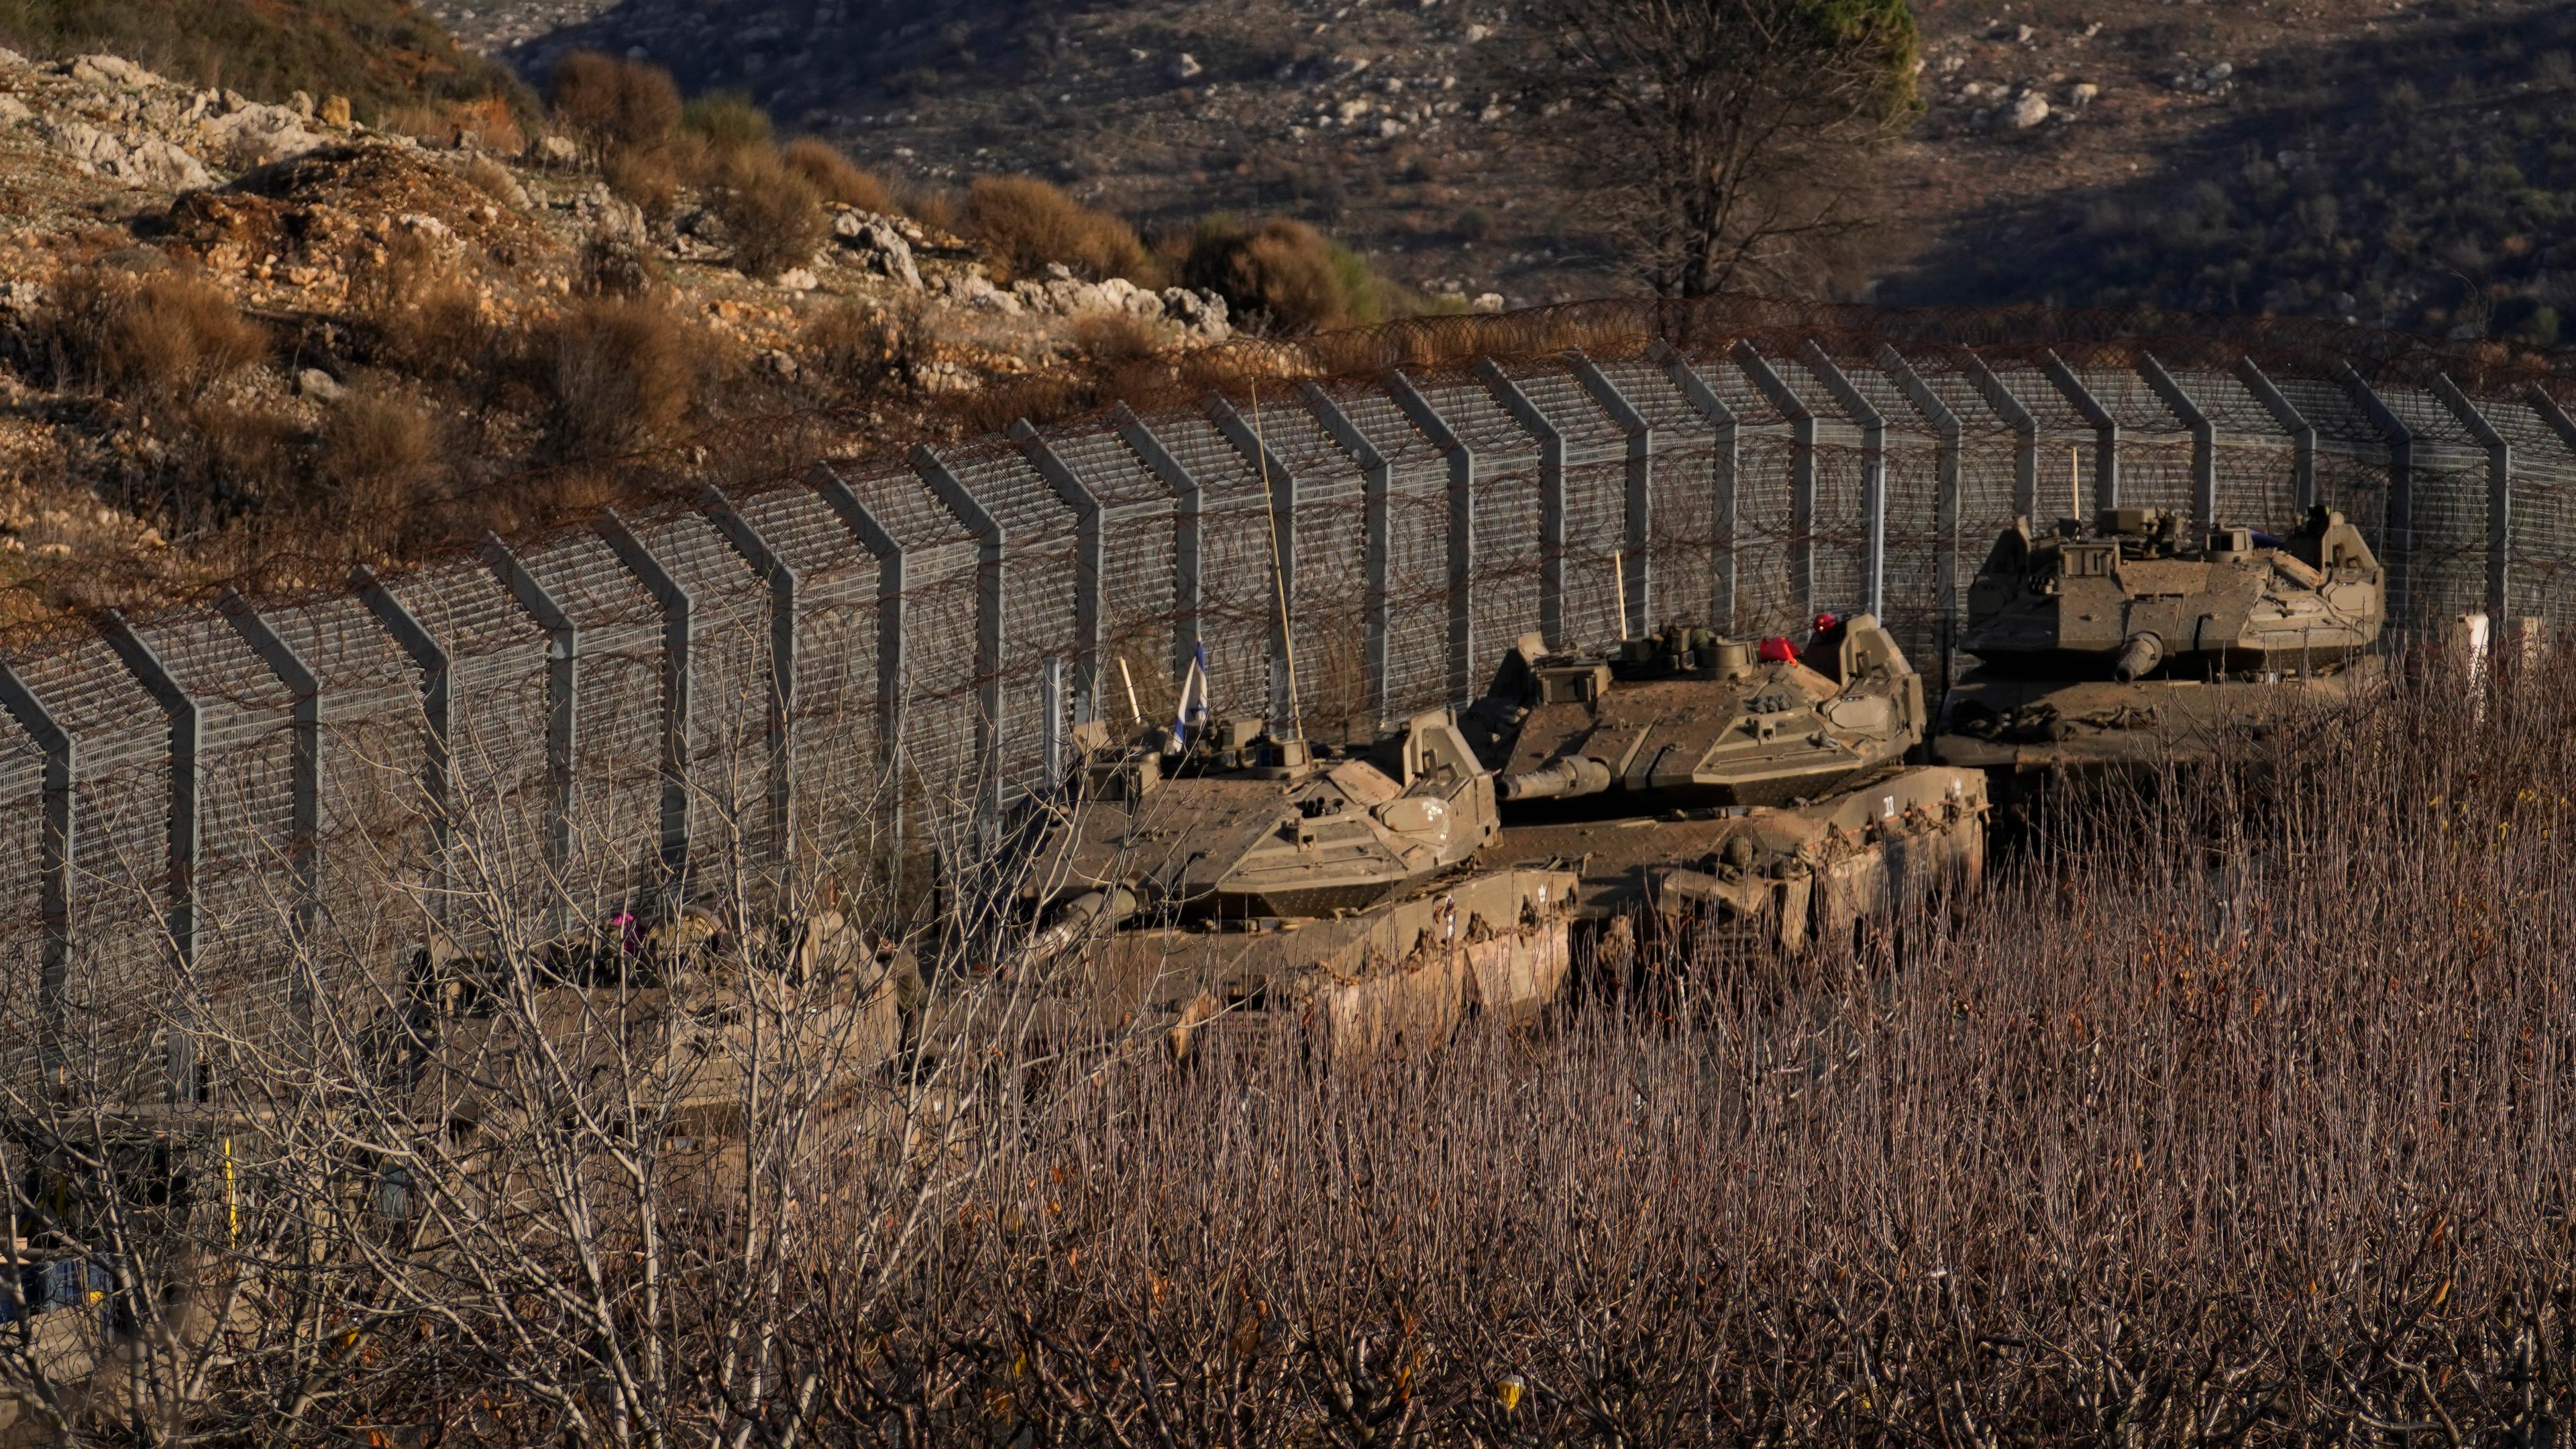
[[1755, 785], [1243, 881], [2135, 639]]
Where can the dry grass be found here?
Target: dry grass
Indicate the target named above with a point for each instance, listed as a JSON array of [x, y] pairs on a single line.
[[494, 180], [861, 347], [1119, 338], [1023, 223], [162, 338], [834, 177], [771, 214], [378, 453], [619, 373]]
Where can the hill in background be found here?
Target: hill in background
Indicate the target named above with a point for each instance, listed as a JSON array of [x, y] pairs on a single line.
[[2080, 152]]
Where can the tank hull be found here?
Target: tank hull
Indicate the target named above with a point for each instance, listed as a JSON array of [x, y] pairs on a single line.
[[1353, 988], [2006, 723], [1809, 873]]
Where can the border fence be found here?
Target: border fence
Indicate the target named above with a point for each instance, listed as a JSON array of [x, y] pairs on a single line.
[[781, 683]]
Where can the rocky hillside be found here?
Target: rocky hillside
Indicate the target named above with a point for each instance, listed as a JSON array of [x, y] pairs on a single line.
[[2054, 131], [250, 340], [384, 55]]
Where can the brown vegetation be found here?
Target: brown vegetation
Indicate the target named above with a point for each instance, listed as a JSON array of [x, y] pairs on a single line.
[[378, 452], [834, 177], [619, 373], [1024, 223], [1282, 275], [615, 105], [164, 337], [772, 218]]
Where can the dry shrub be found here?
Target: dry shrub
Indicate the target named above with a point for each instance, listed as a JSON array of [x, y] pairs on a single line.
[[620, 375], [933, 207], [424, 316], [770, 213], [1282, 273], [377, 453], [165, 337], [649, 179], [241, 452], [615, 266], [486, 123], [616, 105], [494, 180], [834, 178], [1024, 223], [1119, 337], [860, 348]]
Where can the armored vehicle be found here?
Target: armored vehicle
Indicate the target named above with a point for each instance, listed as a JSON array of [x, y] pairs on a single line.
[[1248, 881], [1754, 783], [2136, 639]]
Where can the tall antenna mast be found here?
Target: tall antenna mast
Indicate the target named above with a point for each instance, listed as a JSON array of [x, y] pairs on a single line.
[[1278, 574]]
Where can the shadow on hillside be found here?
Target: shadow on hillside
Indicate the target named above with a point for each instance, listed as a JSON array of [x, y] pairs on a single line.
[[2416, 180]]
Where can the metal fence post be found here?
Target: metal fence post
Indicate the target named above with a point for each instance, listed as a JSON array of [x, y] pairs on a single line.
[[2400, 530], [1802, 472], [2553, 415], [992, 544], [782, 582], [304, 805], [1551, 496], [1949, 505], [1188, 560], [1638, 506], [679, 635], [1246, 440], [1377, 488], [2204, 437], [2025, 428], [1725, 507], [1090, 565], [563, 659], [2499, 493], [438, 761], [186, 839], [1873, 471], [2303, 434], [1462, 529], [2106, 432], [1051, 732], [57, 854], [894, 664]]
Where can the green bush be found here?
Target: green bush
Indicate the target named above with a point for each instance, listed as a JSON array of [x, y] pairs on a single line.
[[728, 121]]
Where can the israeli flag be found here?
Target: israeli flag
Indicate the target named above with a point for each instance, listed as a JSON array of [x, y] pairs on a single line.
[[1193, 711]]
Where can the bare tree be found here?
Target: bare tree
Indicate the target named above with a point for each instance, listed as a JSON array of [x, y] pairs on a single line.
[[1732, 142]]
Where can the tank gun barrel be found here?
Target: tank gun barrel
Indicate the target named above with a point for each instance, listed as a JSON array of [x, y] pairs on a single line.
[[1107, 908], [2139, 657], [1573, 776]]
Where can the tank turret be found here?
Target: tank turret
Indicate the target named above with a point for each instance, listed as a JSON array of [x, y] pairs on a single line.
[[2138, 639], [1687, 718], [1244, 826], [2140, 595], [1250, 883]]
